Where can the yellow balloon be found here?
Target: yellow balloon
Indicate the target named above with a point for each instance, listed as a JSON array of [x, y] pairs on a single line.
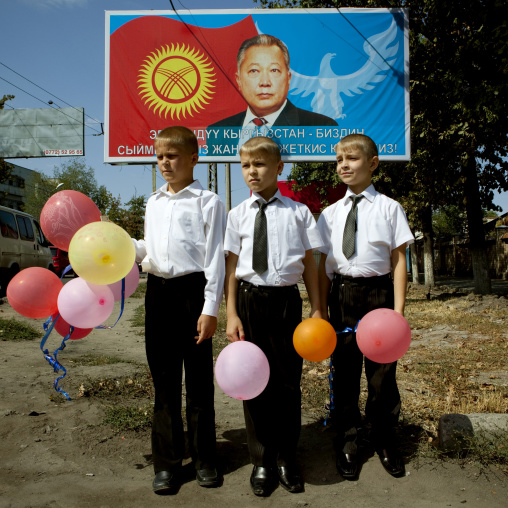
[[101, 253]]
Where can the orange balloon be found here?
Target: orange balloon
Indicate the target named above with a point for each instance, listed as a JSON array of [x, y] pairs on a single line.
[[314, 339]]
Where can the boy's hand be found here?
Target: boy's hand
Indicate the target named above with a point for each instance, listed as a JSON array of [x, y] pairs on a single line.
[[234, 329], [316, 313], [206, 327]]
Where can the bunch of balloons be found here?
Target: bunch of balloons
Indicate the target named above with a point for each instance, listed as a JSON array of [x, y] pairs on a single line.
[[242, 370], [100, 253], [383, 335]]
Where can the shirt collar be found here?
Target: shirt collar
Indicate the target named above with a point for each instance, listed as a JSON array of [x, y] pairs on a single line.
[[195, 187], [369, 193], [255, 196], [270, 119]]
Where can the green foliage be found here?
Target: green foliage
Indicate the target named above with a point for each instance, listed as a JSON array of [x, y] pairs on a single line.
[[129, 418], [448, 220], [132, 218], [11, 329]]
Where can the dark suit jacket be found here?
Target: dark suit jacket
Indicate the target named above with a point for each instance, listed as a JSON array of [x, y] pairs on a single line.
[[289, 116]]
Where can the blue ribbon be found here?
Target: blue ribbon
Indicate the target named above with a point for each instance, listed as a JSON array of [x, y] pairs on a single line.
[[48, 326], [52, 357], [331, 406]]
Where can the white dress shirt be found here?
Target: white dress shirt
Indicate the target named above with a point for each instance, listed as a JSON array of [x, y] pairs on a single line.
[[291, 230], [381, 227], [184, 233], [269, 119]]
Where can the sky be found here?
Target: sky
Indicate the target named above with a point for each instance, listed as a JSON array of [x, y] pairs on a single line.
[[54, 50]]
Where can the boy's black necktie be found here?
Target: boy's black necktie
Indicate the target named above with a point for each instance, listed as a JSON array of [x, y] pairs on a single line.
[[348, 240], [260, 241]]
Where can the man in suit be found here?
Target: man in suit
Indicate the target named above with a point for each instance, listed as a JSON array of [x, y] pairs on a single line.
[[263, 78]]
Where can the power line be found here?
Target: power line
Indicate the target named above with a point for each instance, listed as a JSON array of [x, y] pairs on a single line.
[[40, 87]]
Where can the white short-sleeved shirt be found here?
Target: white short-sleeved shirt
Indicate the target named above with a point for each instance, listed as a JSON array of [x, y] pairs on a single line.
[[381, 227], [184, 233], [291, 230]]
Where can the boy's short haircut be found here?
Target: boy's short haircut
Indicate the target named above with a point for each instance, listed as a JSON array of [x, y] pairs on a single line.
[[178, 136], [261, 144], [359, 142]]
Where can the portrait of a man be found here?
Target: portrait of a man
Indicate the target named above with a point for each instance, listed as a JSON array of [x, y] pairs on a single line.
[[263, 78]]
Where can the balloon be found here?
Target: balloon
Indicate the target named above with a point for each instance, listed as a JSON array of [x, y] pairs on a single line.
[[314, 339], [242, 370], [33, 292], [85, 305], [131, 283], [64, 213], [63, 328], [383, 335], [101, 253]]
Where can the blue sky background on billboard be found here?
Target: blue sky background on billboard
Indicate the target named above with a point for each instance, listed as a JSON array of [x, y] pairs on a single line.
[[54, 51]]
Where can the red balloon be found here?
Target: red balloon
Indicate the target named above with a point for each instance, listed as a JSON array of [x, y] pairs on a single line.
[[383, 335], [314, 339], [33, 292], [64, 213], [62, 327]]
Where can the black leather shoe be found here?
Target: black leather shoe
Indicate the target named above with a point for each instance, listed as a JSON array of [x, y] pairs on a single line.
[[290, 479], [166, 482], [208, 477], [347, 465], [262, 481], [392, 462]]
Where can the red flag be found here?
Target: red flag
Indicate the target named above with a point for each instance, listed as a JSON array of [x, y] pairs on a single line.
[[165, 72]]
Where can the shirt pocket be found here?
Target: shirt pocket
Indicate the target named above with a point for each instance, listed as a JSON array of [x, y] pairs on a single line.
[[189, 228], [294, 240], [380, 232]]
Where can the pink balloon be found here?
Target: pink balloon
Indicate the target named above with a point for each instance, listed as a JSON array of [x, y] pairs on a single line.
[[85, 305], [383, 335], [131, 283], [63, 328], [33, 292], [242, 370], [64, 213]]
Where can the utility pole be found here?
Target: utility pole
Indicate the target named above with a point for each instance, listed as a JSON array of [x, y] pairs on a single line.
[[228, 187]]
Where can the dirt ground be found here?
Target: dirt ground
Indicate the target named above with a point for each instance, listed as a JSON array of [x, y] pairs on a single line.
[[56, 453]]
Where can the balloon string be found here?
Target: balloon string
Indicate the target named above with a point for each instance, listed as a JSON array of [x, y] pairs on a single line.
[[52, 357], [68, 268], [106, 327], [331, 405]]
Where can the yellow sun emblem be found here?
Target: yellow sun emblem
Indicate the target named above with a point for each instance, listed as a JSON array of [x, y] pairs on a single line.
[[176, 80]]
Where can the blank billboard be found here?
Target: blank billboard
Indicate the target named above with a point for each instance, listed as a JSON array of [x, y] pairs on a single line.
[[48, 132]]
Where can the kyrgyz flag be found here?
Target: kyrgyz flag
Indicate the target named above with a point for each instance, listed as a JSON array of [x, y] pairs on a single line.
[[165, 72]]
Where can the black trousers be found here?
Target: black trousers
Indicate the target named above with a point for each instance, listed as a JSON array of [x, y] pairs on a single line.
[[273, 419], [349, 300], [173, 307]]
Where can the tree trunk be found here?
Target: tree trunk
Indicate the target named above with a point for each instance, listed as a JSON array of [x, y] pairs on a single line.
[[428, 252], [414, 263], [477, 245]]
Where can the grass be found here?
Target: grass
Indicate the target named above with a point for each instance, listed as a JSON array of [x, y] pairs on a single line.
[[123, 418], [95, 360], [12, 329]]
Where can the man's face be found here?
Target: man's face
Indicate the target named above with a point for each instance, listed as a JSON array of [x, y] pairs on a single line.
[[263, 79]]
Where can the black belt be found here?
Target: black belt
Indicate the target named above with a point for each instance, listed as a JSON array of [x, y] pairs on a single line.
[[183, 280], [265, 289], [362, 281]]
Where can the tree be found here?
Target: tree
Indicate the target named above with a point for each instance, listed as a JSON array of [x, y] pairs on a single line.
[[132, 218], [458, 87], [74, 175]]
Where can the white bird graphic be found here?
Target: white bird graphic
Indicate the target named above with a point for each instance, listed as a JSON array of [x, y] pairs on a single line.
[[328, 86]]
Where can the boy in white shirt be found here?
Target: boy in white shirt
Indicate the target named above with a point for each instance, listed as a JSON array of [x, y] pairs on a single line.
[[269, 242], [361, 270], [183, 254]]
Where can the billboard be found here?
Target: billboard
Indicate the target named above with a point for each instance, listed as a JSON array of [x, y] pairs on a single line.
[[46, 132], [304, 77]]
